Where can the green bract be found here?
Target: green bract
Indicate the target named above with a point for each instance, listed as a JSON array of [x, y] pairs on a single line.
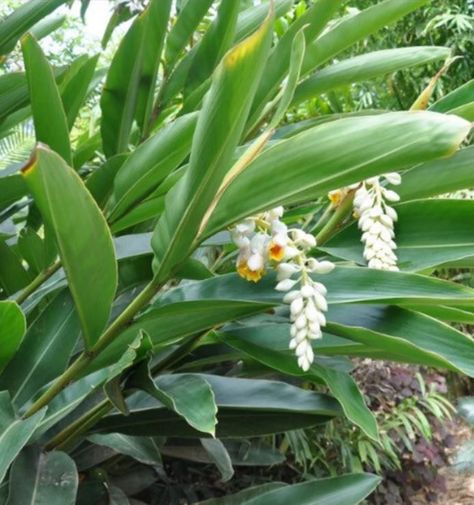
[[123, 328]]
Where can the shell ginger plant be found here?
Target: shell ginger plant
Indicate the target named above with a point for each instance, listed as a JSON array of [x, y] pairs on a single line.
[[123, 321]]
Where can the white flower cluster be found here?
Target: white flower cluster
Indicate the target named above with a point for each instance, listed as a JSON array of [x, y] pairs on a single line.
[[376, 220], [264, 239]]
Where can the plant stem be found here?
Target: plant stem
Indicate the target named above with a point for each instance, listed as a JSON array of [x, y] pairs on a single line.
[[66, 438], [336, 220], [37, 281], [88, 356]]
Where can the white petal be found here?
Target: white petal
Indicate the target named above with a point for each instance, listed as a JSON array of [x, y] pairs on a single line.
[[286, 270], [393, 178], [321, 302], [289, 297], [300, 322], [390, 195], [324, 267], [297, 305], [256, 262], [307, 291], [285, 285]]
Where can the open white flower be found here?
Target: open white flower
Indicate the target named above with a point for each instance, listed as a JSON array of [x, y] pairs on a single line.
[[376, 220]]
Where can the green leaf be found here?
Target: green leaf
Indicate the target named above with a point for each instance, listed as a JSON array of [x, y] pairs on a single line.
[[187, 21], [243, 496], [340, 384], [465, 111], [13, 275], [37, 479], [202, 305], [247, 22], [220, 125], [334, 155], [345, 490], [100, 182], [14, 432], [438, 177], [219, 456], [214, 43], [48, 112], [130, 83], [12, 189], [297, 54], [143, 449], [22, 19], [428, 233], [157, 14], [84, 241], [12, 330], [75, 88], [117, 496], [455, 99], [246, 407], [313, 21], [366, 66], [413, 337], [45, 351], [355, 28], [150, 163], [190, 396], [47, 26], [241, 452]]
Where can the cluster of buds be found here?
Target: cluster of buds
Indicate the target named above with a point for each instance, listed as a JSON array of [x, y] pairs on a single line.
[[265, 240], [376, 221]]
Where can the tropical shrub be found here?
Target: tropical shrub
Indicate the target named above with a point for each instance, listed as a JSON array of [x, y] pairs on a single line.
[[125, 327]]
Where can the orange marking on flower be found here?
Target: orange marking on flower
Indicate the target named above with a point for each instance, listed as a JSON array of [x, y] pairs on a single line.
[[276, 252]]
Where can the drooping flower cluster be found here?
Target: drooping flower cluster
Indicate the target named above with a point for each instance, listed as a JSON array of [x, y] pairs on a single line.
[[376, 221], [265, 240]]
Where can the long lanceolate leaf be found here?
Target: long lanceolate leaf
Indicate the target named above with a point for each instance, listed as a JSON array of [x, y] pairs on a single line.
[[22, 19], [40, 360], [341, 385], [14, 432], [246, 408], [129, 87], [355, 28], [82, 235], [200, 306], [365, 67], [334, 155], [345, 490], [220, 126], [439, 176], [312, 22], [48, 112]]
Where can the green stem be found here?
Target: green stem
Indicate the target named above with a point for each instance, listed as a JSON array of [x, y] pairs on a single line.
[[37, 281], [66, 438], [339, 216], [84, 360]]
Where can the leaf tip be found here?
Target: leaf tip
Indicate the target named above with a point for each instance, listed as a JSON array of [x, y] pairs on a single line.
[[30, 165]]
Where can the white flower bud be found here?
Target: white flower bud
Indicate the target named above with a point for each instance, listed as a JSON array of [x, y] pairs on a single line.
[[324, 267], [393, 178], [285, 285]]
